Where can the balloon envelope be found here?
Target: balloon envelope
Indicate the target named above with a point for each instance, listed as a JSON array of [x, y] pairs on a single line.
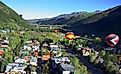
[[69, 35], [112, 39]]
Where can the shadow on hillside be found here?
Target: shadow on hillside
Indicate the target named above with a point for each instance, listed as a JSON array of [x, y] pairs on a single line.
[[101, 27]]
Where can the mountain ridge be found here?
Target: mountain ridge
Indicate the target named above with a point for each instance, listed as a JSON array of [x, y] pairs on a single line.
[[105, 23], [9, 19], [61, 19]]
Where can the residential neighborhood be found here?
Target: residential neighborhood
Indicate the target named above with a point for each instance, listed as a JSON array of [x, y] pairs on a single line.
[[45, 56], [60, 37]]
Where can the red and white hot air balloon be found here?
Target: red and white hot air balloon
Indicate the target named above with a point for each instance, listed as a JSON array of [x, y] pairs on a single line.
[[112, 39]]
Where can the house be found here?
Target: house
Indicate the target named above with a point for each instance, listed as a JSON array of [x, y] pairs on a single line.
[[57, 60], [1, 53], [19, 60], [26, 58], [26, 47], [44, 44], [18, 69], [61, 60], [21, 32], [45, 57], [35, 47], [3, 31], [119, 59], [33, 61], [35, 42], [4, 43], [119, 71], [56, 31], [54, 48], [86, 51], [2, 50], [35, 53], [66, 69], [24, 52], [29, 43], [65, 59], [32, 42], [6, 31], [9, 67]]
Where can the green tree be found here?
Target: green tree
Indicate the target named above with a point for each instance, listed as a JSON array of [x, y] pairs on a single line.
[[93, 57], [97, 40], [102, 53]]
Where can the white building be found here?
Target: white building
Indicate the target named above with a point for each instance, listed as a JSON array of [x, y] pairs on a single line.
[[61, 60], [54, 48], [66, 68]]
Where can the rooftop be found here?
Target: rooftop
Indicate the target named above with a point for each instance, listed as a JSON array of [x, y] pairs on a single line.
[[67, 67]]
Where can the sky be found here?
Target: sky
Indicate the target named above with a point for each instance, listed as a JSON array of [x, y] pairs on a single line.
[[36, 9]]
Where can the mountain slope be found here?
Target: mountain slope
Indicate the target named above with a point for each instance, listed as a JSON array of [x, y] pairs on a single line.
[[103, 23], [9, 19], [63, 19]]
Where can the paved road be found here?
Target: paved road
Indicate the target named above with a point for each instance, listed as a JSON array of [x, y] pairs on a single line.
[[84, 61], [90, 67]]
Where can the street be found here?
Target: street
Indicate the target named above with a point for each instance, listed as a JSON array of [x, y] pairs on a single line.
[[84, 61]]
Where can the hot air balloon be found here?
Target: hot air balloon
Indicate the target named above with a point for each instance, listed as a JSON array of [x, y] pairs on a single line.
[[69, 35], [112, 39]]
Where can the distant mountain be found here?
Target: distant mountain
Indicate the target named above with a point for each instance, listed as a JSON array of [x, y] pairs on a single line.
[[99, 22], [9, 19], [37, 21], [62, 19], [102, 23]]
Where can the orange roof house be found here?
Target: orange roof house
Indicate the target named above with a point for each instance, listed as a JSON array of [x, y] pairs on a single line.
[[45, 57], [1, 53]]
